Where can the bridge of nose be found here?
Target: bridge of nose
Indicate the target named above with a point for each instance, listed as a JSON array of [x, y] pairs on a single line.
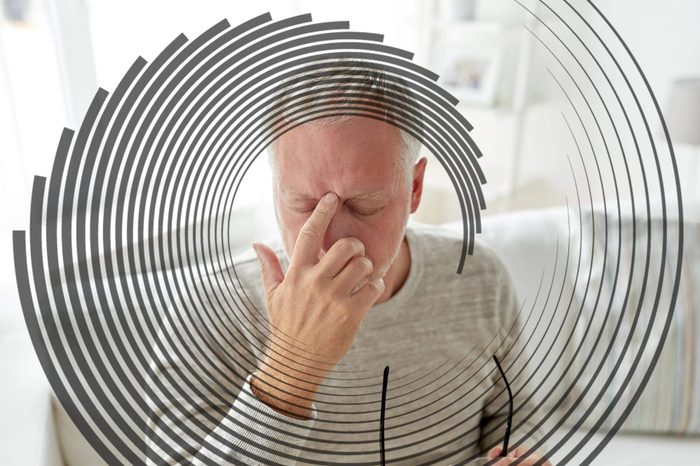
[[329, 238], [339, 227]]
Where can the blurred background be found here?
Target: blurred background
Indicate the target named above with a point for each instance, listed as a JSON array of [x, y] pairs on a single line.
[[55, 53]]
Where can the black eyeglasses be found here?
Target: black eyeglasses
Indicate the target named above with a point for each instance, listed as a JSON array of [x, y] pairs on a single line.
[[509, 422], [385, 382]]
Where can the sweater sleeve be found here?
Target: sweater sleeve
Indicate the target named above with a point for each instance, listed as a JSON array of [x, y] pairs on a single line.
[[272, 428], [514, 360], [200, 406]]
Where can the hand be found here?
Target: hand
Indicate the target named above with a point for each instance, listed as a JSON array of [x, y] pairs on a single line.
[[514, 454], [315, 311]]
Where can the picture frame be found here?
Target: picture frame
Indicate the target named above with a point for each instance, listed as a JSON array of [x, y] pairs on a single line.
[[469, 57]]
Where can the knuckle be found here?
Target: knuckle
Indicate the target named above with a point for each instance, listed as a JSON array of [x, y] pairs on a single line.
[[364, 264], [354, 266], [316, 285], [309, 230], [293, 274], [349, 246], [345, 246], [358, 245], [346, 308], [314, 288], [379, 285], [344, 314]]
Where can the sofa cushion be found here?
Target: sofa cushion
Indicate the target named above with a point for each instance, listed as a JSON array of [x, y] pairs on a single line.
[[527, 241]]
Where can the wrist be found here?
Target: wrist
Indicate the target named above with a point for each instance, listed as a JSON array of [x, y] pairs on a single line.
[[288, 368], [283, 396]]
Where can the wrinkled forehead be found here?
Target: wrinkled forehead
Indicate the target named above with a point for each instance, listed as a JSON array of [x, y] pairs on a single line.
[[357, 159]]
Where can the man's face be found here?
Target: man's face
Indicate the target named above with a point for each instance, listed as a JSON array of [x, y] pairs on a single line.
[[357, 160]]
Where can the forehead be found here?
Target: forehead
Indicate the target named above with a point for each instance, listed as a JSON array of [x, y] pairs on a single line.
[[357, 158]]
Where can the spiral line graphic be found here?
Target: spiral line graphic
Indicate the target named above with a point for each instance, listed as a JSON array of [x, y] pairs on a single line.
[[129, 237]]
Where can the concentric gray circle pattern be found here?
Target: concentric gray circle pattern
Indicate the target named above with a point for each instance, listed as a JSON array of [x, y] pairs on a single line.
[[144, 191]]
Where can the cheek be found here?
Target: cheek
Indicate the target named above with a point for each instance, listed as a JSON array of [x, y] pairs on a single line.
[[382, 235]]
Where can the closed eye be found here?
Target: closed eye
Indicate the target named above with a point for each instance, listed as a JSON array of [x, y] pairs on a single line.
[[365, 213], [362, 212]]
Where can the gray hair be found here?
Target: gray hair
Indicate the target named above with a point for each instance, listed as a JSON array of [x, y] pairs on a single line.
[[354, 90]]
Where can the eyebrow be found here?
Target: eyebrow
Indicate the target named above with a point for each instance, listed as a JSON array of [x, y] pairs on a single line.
[[297, 196]]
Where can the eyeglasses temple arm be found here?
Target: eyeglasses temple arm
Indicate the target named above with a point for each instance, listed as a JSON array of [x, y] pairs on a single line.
[[509, 423], [385, 382]]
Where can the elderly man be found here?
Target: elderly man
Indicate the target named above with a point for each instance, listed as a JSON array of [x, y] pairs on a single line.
[[349, 287]]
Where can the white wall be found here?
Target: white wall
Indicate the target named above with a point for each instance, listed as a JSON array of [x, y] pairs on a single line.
[[664, 37]]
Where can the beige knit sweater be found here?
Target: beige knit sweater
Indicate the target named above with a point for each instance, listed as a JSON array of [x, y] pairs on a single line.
[[446, 401]]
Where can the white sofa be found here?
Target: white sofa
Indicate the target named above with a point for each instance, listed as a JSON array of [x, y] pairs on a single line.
[[526, 240], [36, 431]]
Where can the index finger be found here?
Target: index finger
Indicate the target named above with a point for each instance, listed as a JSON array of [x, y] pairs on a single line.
[[310, 238]]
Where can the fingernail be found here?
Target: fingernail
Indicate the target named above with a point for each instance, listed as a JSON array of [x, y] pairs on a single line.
[[330, 198]]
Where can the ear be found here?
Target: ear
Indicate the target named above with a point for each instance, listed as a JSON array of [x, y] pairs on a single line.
[[417, 183]]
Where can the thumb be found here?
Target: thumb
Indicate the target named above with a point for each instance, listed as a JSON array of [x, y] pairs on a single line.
[[270, 267]]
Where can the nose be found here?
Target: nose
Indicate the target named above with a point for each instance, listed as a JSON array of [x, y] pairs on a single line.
[[336, 229], [326, 245]]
